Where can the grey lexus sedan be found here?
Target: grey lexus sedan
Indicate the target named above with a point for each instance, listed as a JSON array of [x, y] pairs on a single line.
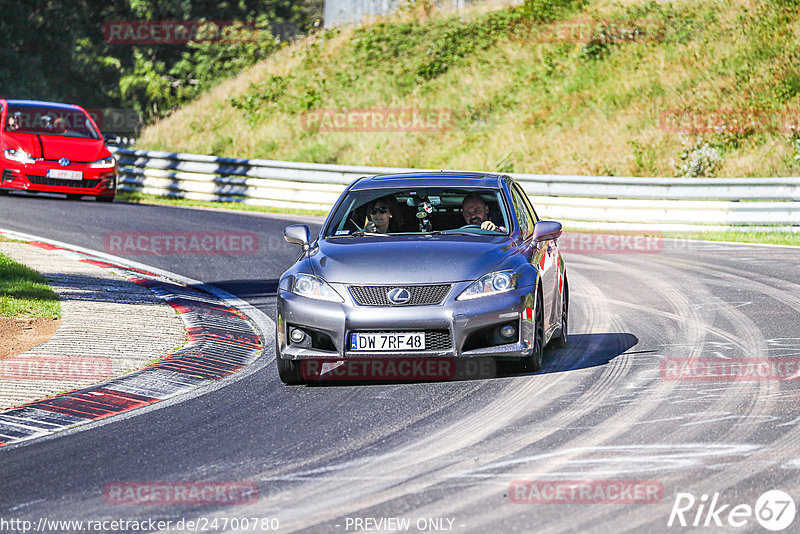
[[417, 270]]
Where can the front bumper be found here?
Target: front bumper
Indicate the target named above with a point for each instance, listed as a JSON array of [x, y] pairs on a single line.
[[33, 177], [460, 322]]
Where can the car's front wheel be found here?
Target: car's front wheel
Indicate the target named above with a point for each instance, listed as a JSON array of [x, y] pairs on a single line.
[[105, 198], [534, 361], [289, 371]]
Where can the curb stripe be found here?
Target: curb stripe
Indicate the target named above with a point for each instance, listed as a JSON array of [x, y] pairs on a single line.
[[221, 341]]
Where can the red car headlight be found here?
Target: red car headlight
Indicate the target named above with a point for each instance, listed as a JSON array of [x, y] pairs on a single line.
[[18, 155], [105, 163]]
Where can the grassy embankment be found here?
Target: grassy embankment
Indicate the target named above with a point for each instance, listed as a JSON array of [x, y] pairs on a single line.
[[534, 89], [519, 105], [24, 293]]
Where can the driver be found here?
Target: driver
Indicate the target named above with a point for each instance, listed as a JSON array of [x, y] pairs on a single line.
[[59, 125], [476, 211]]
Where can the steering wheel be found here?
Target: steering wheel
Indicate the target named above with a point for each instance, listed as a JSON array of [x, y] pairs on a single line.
[[478, 226]]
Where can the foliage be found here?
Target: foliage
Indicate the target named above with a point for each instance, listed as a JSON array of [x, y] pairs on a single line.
[[413, 51], [261, 98], [57, 50], [794, 142], [699, 159]]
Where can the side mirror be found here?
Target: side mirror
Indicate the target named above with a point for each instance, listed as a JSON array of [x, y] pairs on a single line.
[[111, 139], [297, 234], [547, 230]]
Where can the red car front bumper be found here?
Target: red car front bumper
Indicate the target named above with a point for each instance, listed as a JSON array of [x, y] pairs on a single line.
[[34, 177]]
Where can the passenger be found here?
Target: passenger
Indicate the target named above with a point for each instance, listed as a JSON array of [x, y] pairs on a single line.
[[476, 211], [13, 122], [384, 216]]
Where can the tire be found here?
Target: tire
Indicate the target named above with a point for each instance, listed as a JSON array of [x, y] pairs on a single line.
[[561, 340], [4, 192], [289, 371], [533, 363], [105, 198]]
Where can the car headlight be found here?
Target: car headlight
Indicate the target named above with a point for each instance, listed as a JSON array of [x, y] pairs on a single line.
[[491, 284], [18, 155], [105, 163], [314, 287]]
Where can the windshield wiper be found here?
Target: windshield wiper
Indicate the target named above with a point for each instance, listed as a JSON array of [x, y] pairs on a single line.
[[361, 233], [357, 233], [452, 232]]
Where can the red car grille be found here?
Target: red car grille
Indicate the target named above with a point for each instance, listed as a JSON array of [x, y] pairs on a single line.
[[43, 180]]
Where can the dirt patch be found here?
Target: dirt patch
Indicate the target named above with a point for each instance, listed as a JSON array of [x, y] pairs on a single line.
[[20, 335]]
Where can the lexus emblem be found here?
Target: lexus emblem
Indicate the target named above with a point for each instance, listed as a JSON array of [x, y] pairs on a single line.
[[64, 162], [398, 296]]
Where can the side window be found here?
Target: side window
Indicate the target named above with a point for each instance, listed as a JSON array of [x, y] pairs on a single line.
[[524, 218], [532, 211]]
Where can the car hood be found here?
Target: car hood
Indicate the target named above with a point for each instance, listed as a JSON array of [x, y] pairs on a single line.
[[384, 260], [55, 147]]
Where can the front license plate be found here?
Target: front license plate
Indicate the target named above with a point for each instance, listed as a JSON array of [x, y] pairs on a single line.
[[387, 341], [65, 175]]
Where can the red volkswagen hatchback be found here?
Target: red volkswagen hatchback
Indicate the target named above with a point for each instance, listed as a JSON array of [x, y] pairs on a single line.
[[56, 148]]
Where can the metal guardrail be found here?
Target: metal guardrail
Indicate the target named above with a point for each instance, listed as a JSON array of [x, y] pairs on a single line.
[[664, 204]]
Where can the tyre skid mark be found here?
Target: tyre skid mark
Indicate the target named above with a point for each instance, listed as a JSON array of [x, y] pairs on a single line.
[[626, 419], [718, 478], [790, 440], [446, 442]]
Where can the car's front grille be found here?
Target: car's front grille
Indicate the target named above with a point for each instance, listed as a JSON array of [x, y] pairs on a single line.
[[43, 180], [435, 340], [420, 295]]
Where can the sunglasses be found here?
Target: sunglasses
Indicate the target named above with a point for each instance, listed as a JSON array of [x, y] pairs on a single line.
[[382, 211]]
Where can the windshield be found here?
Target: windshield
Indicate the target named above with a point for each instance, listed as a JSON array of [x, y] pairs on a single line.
[[46, 120], [419, 210]]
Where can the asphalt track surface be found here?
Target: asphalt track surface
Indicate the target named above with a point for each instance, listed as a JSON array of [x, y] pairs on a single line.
[[324, 457]]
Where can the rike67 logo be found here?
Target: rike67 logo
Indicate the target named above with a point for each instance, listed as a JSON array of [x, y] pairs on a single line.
[[774, 510]]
